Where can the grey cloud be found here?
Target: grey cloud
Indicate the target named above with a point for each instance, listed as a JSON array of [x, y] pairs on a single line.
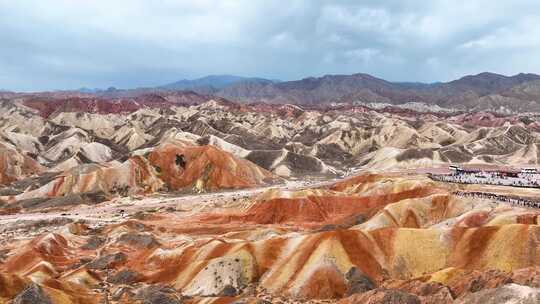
[[64, 44]]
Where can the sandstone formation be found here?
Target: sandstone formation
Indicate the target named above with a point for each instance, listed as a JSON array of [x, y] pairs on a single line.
[[176, 197]]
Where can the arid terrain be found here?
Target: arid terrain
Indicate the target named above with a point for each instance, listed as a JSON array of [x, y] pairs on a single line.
[[269, 152], [166, 196]]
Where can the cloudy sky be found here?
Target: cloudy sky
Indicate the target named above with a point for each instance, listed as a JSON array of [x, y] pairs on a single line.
[[62, 44]]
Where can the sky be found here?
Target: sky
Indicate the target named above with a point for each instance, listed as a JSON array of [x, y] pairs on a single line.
[[68, 44]]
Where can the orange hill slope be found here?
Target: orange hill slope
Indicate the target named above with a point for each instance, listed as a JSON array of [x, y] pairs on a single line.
[[305, 266], [205, 168], [323, 209], [346, 203], [403, 241]]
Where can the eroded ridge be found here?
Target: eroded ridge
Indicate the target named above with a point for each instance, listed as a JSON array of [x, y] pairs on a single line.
[[395, 236]]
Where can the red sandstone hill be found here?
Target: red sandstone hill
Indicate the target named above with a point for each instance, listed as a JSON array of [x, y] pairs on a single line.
[[173, 164], [349, 203], [205, 168]]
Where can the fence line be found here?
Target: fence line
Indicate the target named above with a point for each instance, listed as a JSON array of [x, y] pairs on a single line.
[[513, 200], [490, 178]]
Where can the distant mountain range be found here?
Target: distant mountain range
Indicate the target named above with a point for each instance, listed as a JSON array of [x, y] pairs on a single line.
[[484, 91], [215, 83], [467, 91], [208, 85]]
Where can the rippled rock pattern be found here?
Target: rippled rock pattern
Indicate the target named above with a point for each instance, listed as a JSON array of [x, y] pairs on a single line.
[[185, 198]]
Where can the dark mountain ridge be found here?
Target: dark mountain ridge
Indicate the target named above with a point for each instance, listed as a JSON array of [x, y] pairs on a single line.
[[467, 92]]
